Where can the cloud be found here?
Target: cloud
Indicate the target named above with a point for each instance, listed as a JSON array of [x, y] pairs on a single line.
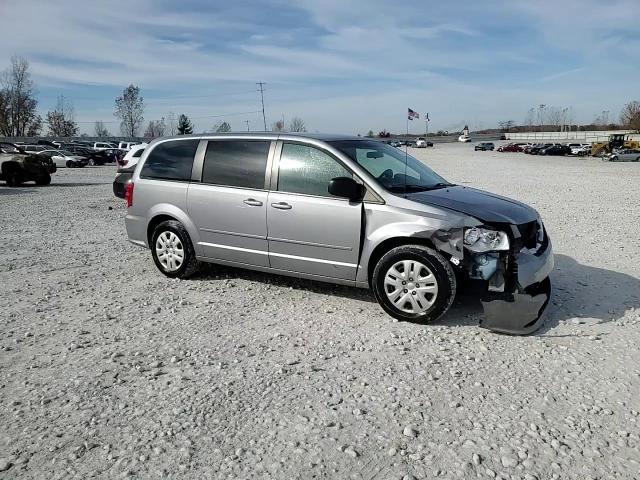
[[345, 66]]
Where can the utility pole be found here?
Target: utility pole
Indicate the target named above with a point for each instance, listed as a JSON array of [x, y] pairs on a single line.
[[264, 119], [247, 122]]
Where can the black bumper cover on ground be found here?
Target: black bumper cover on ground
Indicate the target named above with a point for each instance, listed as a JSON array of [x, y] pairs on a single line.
[[520, 311]]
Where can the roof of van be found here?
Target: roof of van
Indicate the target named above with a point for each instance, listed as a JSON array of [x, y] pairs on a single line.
[[325, 137]]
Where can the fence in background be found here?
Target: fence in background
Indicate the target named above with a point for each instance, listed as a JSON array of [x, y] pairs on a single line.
[[579, 137]]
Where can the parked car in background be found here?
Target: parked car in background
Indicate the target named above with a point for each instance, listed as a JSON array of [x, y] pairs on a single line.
[[33, 148], [512, 147], [127, 145], [18, 166], [484, 146], [103, 145], [625, 155], [48, 143], [133, 155], [115, 155], [555, 150], [536, 149], [62, 158], [422, 142], [581, 149], [123, 178], [343, 210]]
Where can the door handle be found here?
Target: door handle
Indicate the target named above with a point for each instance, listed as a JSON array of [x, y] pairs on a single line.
[[253, 202], [281, 206]]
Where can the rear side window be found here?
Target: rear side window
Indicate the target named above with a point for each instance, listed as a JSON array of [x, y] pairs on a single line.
[[236, 163], [170, 160], [305, 169]]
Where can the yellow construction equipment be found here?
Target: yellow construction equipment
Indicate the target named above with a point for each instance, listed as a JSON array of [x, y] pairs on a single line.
[[616, 140]]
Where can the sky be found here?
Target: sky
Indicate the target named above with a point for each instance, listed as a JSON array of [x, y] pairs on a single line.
[[343, 66]]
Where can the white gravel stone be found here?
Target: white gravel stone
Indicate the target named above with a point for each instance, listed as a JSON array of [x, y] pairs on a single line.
[[186, 372]]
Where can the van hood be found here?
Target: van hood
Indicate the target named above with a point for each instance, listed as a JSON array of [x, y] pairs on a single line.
[[484, 206]]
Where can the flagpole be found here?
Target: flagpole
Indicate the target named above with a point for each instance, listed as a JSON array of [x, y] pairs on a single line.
[[406, 154]]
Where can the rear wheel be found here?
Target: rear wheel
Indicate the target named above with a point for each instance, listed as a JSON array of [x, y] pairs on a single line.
[[13, 178], [414, 283], [70, 164], [172, 250]]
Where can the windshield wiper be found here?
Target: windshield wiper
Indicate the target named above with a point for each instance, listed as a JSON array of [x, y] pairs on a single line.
[[435, 186]]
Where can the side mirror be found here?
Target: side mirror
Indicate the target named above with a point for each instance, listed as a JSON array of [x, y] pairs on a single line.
[[346, 187]]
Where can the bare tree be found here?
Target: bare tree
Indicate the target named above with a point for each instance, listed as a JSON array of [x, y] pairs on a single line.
[[278, 126], [222, 127], [61, 120], [100, 130], [530, 118], [129, 108], [172, 124], [156, 128], [297, 125], [554, 116], [18, 115], [506, 125], [541, 115], [630, 115]]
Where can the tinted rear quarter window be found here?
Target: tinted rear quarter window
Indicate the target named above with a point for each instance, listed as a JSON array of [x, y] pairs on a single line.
[[170, 160], [236, 163]]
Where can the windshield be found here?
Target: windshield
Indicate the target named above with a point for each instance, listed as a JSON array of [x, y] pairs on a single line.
[[392, 168]]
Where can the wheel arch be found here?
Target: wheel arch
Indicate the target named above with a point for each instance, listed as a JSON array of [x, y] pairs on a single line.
[[391, 243], [161, 213], [9, 166]]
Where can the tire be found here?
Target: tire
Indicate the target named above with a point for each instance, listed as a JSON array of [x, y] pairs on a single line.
[[92, 162], [13, 178], [174, 235], [419, 307], [638, 159], [70, 164], [44, 179]]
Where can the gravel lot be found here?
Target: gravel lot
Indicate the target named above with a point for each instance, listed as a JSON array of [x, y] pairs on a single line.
[[108, 369]]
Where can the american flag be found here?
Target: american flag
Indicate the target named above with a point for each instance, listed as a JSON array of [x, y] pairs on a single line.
[[411, 115]]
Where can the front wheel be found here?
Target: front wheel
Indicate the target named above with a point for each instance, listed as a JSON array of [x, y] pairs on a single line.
[[44, 179], [172, 250], [414, 283]]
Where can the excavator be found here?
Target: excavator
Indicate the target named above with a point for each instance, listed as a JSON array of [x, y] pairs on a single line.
[[616, 141]]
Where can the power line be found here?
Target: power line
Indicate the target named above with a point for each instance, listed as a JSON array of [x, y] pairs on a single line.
[[168, 97], [201, 116], [264, 119]]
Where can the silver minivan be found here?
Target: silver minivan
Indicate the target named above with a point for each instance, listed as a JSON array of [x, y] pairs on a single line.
[[340, 209]]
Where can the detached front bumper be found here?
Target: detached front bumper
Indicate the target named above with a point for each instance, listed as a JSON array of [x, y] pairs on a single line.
[[519, 309]]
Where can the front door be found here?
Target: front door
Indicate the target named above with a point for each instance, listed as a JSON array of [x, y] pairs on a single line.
[[311, 231], [229, 205]]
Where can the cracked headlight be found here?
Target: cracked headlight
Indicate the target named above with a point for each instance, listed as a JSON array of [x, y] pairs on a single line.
[[479, 239]]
